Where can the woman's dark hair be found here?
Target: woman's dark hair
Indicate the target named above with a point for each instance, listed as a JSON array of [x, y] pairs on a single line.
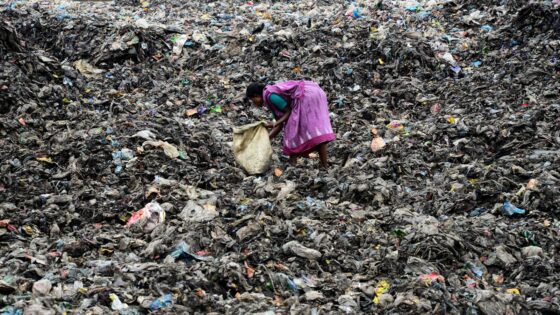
[[254, 89]]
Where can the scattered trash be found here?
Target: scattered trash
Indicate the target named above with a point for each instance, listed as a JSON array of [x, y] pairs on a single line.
[[116, 304], [513, 291], [87, 70], [162, 302], [42, 287], [277, 172], [10, 310], [169, 149], [300, 250], [382, 287], [477, 212], [510, 209], [428, 279], [436, 108], [532, 251], [396, 124], [413, 8], [182, 251], [377, 143], [148, 217]]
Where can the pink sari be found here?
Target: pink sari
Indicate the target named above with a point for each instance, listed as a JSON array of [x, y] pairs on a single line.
[[309, 124]]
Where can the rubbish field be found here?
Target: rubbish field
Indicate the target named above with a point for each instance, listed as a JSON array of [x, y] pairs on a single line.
[[120, 194]]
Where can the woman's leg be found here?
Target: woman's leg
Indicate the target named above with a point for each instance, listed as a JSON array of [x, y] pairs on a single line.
[[322, 148]]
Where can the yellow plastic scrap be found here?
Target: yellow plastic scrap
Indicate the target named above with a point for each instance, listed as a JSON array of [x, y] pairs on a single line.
[[473, 181], [513, 291], [451, 120], [123, 218], [29, 230], [396, 124], [382, 287], [245, 201], [45, 159]]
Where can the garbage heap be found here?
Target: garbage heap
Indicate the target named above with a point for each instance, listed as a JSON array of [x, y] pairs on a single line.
[[119, 192]]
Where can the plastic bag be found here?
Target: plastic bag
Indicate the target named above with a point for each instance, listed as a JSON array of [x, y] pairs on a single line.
[[251, 148], [148, 217], [377, 143], [162, 302], [510, 209]]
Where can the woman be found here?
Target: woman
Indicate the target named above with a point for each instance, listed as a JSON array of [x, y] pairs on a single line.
[[301, 109]]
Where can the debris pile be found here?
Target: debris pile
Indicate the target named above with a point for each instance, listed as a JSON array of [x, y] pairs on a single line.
[[120, 193]]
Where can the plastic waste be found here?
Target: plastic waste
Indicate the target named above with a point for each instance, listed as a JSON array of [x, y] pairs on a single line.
[[396, 124], [296, 248], [428, 279], [116, 304], [10, 310], [183, 251], [169, 149], [377, 143], [42, 287], [148, 217], [382, 287], [162, 302], [511, 210], [87, 70], [478, 211], [514, 291]]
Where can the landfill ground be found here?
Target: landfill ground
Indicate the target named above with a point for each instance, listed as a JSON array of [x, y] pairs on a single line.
[[119, 192]]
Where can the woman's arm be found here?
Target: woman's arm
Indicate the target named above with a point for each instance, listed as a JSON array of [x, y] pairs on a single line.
[[279, 125], [275, 131], [284, 117]]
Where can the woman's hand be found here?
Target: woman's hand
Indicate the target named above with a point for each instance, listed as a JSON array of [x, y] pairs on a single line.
[[279, 125], [275, 131], [269, 125]]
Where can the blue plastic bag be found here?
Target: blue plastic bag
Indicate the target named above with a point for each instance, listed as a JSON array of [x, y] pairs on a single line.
[[162, 302], [510, 209]]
